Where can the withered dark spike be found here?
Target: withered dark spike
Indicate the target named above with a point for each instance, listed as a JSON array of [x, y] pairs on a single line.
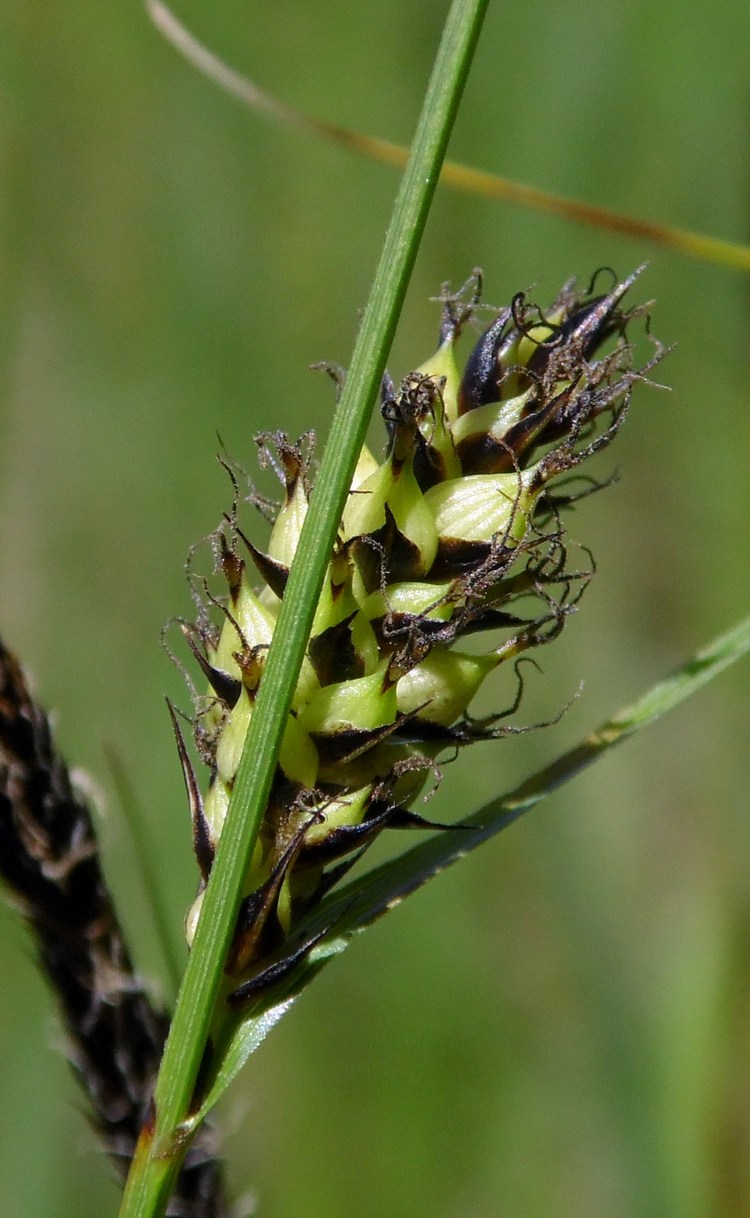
[[202, 841], [49, 857], [275, 574], [225, 686]]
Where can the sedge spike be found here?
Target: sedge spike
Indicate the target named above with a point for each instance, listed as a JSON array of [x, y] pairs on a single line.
[[459, 530]]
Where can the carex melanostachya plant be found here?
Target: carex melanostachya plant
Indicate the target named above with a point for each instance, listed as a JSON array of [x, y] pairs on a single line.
[[451, 560]]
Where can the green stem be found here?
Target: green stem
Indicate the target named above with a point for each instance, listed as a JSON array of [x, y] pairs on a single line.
[[161, 1149]]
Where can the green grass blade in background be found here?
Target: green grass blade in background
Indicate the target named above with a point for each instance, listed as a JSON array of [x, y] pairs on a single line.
[[462, 177]]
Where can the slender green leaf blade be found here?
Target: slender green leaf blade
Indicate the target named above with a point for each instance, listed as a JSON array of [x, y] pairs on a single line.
[[353, 908], [247, 1036]]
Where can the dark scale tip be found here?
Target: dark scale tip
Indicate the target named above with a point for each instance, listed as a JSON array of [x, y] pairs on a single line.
[[271, 976], [386, 555], [337, 749], [202, 841], [480, 382], [254, 926], [430, 466], [333, 654], [481, 453], [343, 839], [226, 687], [291, 461], [456, 557], [275, 574]]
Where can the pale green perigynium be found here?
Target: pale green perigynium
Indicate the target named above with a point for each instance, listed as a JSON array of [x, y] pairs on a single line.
[[458, 530]]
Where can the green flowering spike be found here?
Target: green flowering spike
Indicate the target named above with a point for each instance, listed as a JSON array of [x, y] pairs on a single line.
[[272, 571], [459, 531]]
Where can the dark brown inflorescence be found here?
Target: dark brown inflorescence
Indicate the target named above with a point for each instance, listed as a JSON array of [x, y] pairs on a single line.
[[50, 860], [458, 531]]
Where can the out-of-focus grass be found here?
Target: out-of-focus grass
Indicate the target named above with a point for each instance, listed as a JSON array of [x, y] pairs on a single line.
[[170, 268]]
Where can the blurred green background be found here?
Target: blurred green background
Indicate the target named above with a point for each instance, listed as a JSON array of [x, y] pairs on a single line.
[[560, 1025]]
